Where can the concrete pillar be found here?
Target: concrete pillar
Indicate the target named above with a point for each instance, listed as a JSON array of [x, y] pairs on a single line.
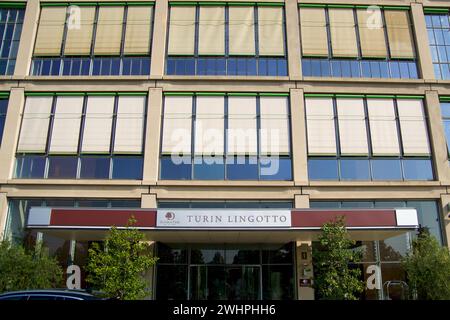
[[159, 38], [437, 137], [3, 214], [11, 133], [445, 202], [298, 136], [304, 271], [293, 40], [152, 136], [422, 43], [149, 201], [26, 45], [301, 201]]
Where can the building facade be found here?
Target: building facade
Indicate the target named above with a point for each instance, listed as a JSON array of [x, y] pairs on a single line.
[[231, 130]]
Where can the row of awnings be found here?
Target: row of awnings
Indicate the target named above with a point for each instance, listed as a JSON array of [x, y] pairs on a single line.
[[221, 225]]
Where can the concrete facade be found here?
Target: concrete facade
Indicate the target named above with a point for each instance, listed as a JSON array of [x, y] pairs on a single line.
[[300, 191]]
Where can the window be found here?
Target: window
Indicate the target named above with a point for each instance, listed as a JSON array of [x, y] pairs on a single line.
[[227, 39], [226, 204], [85, 136], [355, 137], [217, 136], [445, 112], [438, 27], [11, 20], [3, 108], [338, 41], [109, 40]]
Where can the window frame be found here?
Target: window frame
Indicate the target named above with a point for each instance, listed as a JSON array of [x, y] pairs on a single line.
[[10, 59]]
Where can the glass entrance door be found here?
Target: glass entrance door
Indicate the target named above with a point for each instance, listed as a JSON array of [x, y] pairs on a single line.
[[225, 282]]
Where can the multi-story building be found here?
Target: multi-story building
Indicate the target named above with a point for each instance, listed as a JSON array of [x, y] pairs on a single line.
[[231, 130]]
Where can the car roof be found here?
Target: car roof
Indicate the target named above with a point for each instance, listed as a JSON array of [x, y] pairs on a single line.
[[60, 292]]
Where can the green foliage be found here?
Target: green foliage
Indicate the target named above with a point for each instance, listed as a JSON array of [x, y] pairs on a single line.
[[333, 278], [21, 270], [117, 268], [427, 267]]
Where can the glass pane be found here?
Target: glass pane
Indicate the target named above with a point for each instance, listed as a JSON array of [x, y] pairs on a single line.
[[243, 283], [445, 109], [62, 167], [174, 279], [394, 248], [417, 169], [171, 253], [127, 168], [95, 167], [205, 255], [275, 168], [357, 204], [125, 203], [278, 282], [325, 68], [242, 168], [386, 169], [171, 170], [352, 169], [306, 68], [394, 281], [428, 214], [277, 254], [209, 168], [207, 204], [30, 167], [324, 204], [322, 169]]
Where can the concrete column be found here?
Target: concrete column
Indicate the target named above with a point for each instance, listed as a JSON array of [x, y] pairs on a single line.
[[152, 136], [159, 38], [26, 45], [304, 271], [11, 133], [148, 201], [422, 43], [437, 137], [445, 202], [293, 40], [3, 214], [301, 201], [298, 137]]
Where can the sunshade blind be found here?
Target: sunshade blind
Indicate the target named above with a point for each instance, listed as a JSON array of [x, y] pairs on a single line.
[[343, 33], [383, 127], [181, 30], [36, 118], [241, 27], [242, 129], [352, 126], [79, 36], [138, 30], [413, 127], [209, 126], [66, 125], [177, 127], [50, 32], [270, 31], [97, 125], [274, 132], [211, 30], [109, 31], [313, 32], [320, 126], [399, 34], [371, 34], [129, 125]]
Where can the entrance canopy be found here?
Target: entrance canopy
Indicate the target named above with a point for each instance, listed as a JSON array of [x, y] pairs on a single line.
[[221, 225]]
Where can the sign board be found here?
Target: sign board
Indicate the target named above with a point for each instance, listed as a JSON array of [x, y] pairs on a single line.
[[223, 219]]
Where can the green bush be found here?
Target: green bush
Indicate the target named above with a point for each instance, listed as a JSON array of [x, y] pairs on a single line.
[[21, 270]]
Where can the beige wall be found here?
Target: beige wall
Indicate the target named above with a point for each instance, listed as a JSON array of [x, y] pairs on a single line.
[[300, 190]]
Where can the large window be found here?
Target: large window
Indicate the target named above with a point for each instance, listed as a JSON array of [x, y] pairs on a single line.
[[438, 28], [3, 108], [82, 136], [353, 137], [445, 112], [88, 39], [239, 39], [388, 253], [234, 136], [11, 20], [225, 272], [252, 204], [349, 41]]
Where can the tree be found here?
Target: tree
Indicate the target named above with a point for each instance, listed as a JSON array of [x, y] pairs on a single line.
[[334, 279], [117, 267], [21, 269], [427, 268]]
